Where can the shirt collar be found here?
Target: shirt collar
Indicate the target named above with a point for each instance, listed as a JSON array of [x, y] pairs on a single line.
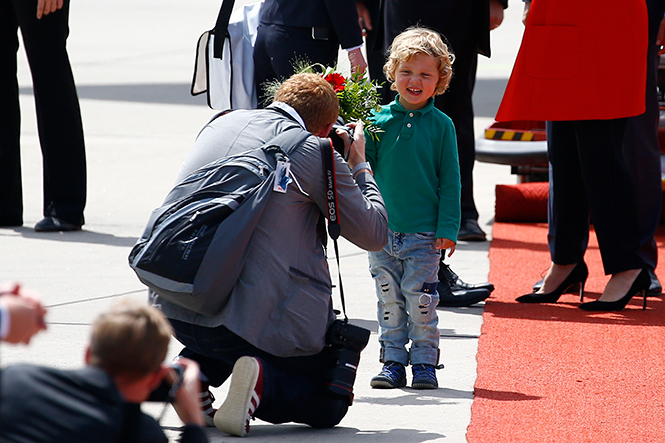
[[289, 109], [397, 106]]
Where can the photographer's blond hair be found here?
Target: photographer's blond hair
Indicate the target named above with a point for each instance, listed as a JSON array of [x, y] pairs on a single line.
[[420, 40], [129, 340], [312, 97]]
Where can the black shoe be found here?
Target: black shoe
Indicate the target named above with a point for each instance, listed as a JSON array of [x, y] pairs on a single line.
[[578, 275], [574, 289], [641, 284], [470, 231], [459, 298], [655, 287], [456, 283], [52, 224]]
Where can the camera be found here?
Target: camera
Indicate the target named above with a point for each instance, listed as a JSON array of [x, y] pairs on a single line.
[[166, 391], [346, 342], [337, 141]]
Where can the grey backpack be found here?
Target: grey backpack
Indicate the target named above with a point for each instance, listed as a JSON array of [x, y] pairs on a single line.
[[195, 245]]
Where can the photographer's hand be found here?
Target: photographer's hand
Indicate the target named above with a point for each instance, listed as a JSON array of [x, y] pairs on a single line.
[[186, 402], [355, 148], [26, 313]]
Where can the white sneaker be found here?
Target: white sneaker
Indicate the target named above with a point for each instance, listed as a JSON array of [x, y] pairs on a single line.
[[244, 397]]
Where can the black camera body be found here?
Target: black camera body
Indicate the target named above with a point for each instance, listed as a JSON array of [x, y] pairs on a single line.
[[346, 341], [337, 141], [166, 391]]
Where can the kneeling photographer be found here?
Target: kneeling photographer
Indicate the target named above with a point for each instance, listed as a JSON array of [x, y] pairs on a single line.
[[270, 337]]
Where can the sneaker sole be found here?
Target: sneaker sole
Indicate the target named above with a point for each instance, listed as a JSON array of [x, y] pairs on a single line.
[[384, 384], [231, 417], [423, 386]]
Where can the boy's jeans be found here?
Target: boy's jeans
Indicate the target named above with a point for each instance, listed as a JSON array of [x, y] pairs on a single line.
[[406, 276]]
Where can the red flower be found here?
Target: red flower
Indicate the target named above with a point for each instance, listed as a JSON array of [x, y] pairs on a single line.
[[336, 80]]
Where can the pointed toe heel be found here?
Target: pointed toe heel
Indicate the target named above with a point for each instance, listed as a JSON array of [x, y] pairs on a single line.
[[577, 276], [640, 285]]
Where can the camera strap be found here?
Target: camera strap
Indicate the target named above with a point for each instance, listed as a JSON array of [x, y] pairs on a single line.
[[332, 213]]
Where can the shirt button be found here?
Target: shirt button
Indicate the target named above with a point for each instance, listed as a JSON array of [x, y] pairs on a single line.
[[408, 125], [410, 114]]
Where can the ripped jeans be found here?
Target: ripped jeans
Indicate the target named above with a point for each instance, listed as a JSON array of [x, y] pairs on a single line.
[[406, 274]]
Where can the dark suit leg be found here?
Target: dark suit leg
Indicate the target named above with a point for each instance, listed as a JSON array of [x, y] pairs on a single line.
[[569, 208], [278, 47], [58, 112], [610, 191], [11, 198]]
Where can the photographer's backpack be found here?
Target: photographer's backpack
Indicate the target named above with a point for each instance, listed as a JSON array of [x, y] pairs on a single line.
[[195, 245]]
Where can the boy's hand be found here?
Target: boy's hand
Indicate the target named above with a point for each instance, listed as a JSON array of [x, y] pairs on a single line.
[[444, 243]]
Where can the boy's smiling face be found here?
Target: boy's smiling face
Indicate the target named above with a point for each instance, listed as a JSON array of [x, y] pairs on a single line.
[[416, 80]]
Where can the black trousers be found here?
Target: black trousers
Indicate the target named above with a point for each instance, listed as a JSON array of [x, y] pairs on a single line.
[[277, 47], [589, 175], [454, 20], [293, 387], [58, 113]]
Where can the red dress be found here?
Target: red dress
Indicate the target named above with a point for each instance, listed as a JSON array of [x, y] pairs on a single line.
[[579, 60]]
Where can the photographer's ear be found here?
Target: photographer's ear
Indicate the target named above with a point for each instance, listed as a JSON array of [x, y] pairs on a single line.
[[325, 131]]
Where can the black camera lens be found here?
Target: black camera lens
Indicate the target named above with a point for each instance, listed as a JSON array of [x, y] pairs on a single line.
[[166, 391]]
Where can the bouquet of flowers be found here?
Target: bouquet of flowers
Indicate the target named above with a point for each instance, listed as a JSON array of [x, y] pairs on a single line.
[[357, 95]]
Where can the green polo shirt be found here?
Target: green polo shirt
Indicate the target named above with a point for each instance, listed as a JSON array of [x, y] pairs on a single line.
[[416, 167]]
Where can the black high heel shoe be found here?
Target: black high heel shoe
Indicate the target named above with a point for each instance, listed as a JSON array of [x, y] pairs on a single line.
[[641, 284], [578, 275]]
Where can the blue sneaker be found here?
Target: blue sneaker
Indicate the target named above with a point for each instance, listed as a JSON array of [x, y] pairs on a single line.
[[424, 377], [393, 375]]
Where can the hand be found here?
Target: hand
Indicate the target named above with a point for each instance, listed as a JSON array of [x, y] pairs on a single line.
[[358, 63], [525, 14], [496, 14], [444, 243], [661, 37], [355, 148], [186, 403], [364, 18], [45, 7], [26, 313]]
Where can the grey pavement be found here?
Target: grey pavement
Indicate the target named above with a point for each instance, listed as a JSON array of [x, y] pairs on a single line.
[[133, 64]]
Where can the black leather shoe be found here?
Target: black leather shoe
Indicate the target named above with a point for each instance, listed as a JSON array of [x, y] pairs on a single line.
[[52, 224], [470, 231], [574, 289], [655, 288], [456, 283], [459, 298]]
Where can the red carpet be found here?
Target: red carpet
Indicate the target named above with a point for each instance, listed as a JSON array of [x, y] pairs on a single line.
[[555, 373]]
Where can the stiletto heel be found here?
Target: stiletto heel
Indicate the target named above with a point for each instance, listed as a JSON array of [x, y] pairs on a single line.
[[641, 284], [578, 275]]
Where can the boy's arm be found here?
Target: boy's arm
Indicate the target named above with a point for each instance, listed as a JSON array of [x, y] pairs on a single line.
[[449, 187]]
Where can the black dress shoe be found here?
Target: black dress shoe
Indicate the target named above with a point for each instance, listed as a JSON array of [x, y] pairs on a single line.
[[456, 283], [641, 284], [574, 289], [655, 288], [470, 231], [461, 297], [52, 224]]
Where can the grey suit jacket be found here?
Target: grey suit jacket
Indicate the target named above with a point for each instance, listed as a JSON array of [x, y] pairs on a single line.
[[282, 301]]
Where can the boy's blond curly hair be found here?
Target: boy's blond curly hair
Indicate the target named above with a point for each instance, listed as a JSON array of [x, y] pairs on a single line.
[[420, 40]]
